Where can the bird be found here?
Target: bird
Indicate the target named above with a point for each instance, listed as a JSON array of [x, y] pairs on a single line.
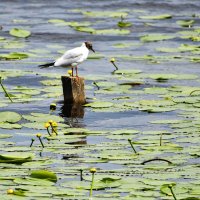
[[72, 57]]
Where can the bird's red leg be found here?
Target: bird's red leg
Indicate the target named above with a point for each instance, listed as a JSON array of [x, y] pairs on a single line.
[[76, 71]]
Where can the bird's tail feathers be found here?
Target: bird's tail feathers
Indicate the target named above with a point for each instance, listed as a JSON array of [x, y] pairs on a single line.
[[46, 65]]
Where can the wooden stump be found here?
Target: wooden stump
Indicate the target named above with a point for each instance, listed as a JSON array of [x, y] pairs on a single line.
[[73, 110], [73, 90]]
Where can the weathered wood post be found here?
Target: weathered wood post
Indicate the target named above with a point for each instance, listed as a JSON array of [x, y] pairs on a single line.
[[73, 90]]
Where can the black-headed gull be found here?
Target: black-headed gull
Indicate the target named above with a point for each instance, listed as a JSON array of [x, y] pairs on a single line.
[[72, 58]]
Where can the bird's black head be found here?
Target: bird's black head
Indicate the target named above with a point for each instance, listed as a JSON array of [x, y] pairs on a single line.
[[89, 46]]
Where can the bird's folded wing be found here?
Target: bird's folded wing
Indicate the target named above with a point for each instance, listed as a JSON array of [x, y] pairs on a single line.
[[74, 53]]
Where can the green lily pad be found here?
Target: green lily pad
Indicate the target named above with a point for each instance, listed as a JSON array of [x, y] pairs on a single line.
[[33, 181], [14, 56], [61, 22], [115, 14], [112, 32], [163, 77], [16, 158], [44, 174], [10, 117], [99, 104], [155, 37], [96, 56], [78, 24], [5, 136], [125, 132], [42, 117], [6, 125], [185, 23], [123, 24], [122, 45], [20, 33], [156, 17], [128, 71], [14, 45], [51, 83], [85, 29]]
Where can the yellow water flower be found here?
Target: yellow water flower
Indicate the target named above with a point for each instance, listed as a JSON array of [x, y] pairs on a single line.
[[93, 170], [46, 125], [69, 72], [112, 60], [54, 124], [38, 135], [10, 191]]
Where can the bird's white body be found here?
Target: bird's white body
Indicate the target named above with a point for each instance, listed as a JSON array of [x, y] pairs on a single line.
[[73, 57]]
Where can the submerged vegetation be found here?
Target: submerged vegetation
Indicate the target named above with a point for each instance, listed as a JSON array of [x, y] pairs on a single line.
[[137, 135]]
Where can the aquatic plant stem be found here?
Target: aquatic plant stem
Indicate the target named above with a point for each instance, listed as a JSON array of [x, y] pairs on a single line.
[[32, 140], [41, 142], [81, 174], [129, 140], [114, 65], [171, 189], [4, 89], [193, 92], [156, 159], [96, 85], [161, 139], [48, 131], [39, 137], [53, 129], [92, 184]]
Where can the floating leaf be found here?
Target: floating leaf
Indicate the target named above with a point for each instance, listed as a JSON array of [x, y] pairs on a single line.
[[33, 181], [16, 158], [61, 22], [112, 32], [162, 77], [99, 104], [42, 117], [104, 13], [125, 132], [14, 45], [10, 117], [103, 31], [4, 136], [155, 37], [44, 174], [19, 33], [14, 56], [85, 29], [123, 24], [96, 56], [156, 17], [10, 126], [185, 23], [128, 71]]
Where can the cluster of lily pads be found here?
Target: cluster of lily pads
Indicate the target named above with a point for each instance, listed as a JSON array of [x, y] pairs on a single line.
[[161, 163]]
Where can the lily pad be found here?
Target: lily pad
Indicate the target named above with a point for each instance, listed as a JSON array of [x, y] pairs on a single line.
[[155, 37], [6, 125], [185, 23], [14, 56], [33, 181], [128, 71], [20, 33], [44, 174], [16, 158], [99, 104], [156, 17], [123, 24], [10, 117], [115, 14]]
